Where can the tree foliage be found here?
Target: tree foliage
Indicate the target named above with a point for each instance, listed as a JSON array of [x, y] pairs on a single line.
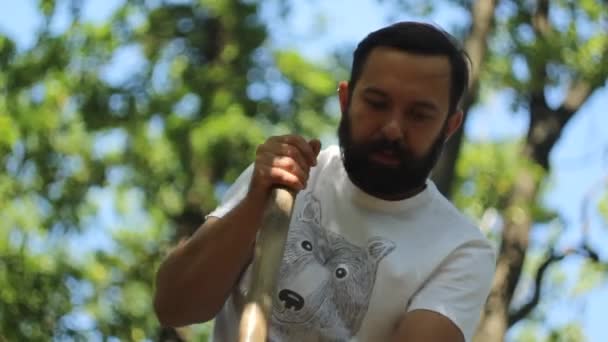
[[117, 137], [138, 120], [552, 56]]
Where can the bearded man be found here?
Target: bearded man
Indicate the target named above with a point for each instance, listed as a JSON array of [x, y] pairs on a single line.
[[374, 251]]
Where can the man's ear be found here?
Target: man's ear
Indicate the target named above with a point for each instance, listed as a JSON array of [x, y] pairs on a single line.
[[343, 95], [454, 122]]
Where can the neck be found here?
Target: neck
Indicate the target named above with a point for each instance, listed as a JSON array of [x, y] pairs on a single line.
[[398, 196]]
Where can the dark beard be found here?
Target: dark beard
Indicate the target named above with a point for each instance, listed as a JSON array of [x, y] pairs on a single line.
[[380, 180]]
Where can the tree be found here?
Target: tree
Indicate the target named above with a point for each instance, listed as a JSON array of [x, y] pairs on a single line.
[[158, 140], [555, 51]]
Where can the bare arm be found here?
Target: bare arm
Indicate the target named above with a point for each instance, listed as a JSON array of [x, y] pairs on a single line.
[[197, 277], [426, 326]]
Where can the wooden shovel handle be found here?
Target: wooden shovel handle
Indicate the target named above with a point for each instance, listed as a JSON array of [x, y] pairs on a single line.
[[267, 257]]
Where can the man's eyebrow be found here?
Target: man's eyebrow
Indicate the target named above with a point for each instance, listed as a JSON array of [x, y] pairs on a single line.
[[371, 90], [423, 104], [426, 105]]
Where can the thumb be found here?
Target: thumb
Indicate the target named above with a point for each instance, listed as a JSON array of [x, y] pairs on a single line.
[[315, 144]]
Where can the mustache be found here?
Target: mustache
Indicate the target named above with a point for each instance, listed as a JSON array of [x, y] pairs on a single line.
[[394, 147]]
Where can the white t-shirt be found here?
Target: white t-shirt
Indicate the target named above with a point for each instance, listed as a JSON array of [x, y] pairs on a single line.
[[354, 264]]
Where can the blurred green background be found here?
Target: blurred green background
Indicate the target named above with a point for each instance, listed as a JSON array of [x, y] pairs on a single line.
[[122, 123]]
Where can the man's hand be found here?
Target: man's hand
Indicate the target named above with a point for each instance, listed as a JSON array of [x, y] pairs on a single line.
[[283, 160]]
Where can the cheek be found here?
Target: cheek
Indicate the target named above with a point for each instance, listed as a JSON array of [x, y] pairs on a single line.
[[364, 126], [422, 141], [418, 146]]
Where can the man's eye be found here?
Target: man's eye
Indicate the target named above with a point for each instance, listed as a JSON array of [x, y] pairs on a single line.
[[420, 116], [376, 104]]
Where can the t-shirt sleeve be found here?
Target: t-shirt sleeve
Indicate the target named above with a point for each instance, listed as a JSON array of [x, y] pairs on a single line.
[[235, 193], [458, 289]]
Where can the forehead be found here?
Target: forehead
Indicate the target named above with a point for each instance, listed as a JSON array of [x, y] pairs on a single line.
[[386, 65]]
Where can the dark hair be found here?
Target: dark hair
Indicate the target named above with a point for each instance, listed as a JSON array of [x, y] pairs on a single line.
[[417, 38]]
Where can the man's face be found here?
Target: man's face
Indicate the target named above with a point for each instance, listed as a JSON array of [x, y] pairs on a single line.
[[395, 123]]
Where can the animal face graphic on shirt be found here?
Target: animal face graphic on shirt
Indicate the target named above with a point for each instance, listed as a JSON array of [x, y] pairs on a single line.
[[325, 282]]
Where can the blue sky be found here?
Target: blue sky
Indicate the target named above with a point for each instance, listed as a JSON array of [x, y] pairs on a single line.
[[579, 160]]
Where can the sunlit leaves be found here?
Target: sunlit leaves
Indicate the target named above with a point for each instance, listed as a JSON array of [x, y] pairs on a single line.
[[487, 172], [535, 331], [132, 159], [594, 9], [603, 208], [312, 123], [224, 141], [591, 274], [8, 132], [573, 46], [568, 333], [7, 50], [47, 7], [300, 71], [33, 288]]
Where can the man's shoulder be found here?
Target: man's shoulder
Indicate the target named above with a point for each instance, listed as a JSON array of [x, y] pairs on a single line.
[[461, 234], [454, 219]]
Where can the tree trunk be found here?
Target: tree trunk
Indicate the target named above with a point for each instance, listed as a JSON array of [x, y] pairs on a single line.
[[518, 221], [482, 13], [494, 320], [546, 126]]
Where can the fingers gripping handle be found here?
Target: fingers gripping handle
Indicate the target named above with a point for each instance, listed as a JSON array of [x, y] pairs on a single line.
[[267, 257]]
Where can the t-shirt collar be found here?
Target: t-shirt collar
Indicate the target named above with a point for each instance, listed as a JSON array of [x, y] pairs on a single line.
[[352, 192]]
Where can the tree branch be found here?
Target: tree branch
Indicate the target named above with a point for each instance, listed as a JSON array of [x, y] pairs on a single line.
[[584, 250], [525, 309], [538, 66], [546, 124], [578, 93], [476, 43], [522, 312]]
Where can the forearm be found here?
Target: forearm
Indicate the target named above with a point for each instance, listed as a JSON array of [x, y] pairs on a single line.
[[426, 326], [197, 277]]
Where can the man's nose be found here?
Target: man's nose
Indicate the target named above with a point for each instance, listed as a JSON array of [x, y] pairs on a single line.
[[393, 128]]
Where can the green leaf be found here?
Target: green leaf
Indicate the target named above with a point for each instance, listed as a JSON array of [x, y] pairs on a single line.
[[603, 208], [304, 73]]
